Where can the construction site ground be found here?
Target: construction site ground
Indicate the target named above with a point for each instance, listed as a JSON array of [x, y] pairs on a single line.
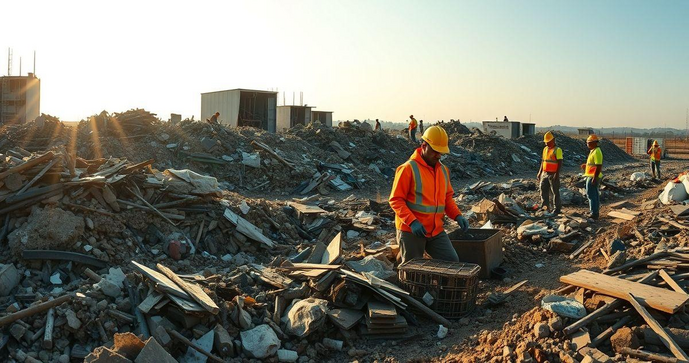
[[237, 215]]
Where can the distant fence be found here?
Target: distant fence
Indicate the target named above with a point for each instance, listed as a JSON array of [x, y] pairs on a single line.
[[675, 147]]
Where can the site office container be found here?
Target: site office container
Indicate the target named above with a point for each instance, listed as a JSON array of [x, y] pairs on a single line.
[[640, 145]]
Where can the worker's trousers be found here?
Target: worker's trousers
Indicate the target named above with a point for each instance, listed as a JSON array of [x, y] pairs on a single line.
[[655, 167], [550, 187], [412, 135], [594, 196], [439, 246]]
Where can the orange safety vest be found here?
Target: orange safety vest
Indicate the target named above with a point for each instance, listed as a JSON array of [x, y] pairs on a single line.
[[421, 192], [550, 159], [412, 124], [655, 153]]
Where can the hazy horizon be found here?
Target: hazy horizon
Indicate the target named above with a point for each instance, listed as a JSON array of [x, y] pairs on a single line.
[[567, 63]]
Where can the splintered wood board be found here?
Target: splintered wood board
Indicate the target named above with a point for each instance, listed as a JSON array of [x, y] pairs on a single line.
[[307, 209], [380, 310], [667, 301], [334, 250], [621, 215]]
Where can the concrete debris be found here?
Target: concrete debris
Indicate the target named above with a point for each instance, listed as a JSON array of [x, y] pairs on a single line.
[[306, 316], [260, 342]]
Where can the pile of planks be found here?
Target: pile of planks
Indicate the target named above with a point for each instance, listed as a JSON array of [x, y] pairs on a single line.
[[648, 295], [382, 319]]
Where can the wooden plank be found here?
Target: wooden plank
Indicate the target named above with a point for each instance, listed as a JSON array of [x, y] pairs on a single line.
[[628, 211], [673, 223], [150, 301], [28, 164], [657, 328], [194, 290], [334, 250], [310, 266], [655, 297], [621, 215], [671, 282], [162, 283], [396, 322], [345, 318], [307, 209], [380, 310], [246, 228], [39, 175]]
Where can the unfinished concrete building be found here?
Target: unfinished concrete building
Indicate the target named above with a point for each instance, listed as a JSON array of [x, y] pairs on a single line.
[[324, 117], [20, 99], [292, 115], [241, 107]]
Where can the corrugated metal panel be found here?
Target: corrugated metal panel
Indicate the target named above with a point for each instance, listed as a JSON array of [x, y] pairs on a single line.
[[226, 102]]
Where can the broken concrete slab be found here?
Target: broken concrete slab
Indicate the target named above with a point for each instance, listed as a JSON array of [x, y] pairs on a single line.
[[206, 343], [306, 316], [9, 278], [128, 345], [260, 342], [154, 353]]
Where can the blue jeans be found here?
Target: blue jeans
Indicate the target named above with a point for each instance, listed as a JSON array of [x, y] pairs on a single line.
[[594, 196], [412, 135]]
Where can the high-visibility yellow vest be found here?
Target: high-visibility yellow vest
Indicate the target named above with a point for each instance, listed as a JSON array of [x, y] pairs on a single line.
[[550, 159]]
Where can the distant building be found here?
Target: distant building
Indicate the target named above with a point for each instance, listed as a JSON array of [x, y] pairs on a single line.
[[586, 131], [242, 107], [508, 129], [292, 115], [324, 117], [20, 99], [175, 118]]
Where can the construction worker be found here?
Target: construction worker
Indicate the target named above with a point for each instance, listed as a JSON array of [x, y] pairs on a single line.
[[549, 173], [421, 127], [592, 172], [421, 196], [378, 127], [214, 118], [412, 129], [655, 151]]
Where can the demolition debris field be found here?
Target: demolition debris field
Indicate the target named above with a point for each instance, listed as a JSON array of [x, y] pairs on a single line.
[[133, 239]]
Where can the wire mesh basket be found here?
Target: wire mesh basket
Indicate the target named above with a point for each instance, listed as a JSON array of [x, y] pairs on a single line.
[[452, 285]]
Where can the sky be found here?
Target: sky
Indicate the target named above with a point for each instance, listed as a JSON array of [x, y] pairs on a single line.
[[576, 63]]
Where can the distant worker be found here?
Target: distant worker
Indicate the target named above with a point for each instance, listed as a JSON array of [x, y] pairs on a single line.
[[505, 119], [655, 151], [214, 118], [378, 127], [412, 129], [592, 172], [549, 174], [421, 127], [421, 196]]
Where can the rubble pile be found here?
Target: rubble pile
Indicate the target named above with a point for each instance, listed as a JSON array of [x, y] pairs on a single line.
[[41, 134], [574, 150]]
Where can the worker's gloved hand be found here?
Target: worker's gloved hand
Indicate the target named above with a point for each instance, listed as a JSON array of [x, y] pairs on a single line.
[[463, 223], [417, 229]]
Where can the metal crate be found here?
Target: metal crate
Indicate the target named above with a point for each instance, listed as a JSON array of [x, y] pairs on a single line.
[[453, 285]]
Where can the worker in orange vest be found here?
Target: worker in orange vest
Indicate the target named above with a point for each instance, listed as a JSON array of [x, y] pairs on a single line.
[[421, 196], [655, 151], [549, 174], [592, 172], [412, 128]]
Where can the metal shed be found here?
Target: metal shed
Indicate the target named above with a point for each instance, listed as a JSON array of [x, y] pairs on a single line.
[[242, 107], [506, 129], [292, 115], [324, 117]]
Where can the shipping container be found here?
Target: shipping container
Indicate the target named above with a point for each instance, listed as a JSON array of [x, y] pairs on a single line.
[[640, 145], [242, 107]]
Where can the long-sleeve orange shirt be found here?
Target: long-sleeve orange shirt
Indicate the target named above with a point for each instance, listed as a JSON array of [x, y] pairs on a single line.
[[424, 193]]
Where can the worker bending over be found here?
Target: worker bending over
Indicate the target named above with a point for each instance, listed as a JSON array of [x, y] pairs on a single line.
[[592, 172], [421, 196], [412, 128], [655, 152], [549, 174]]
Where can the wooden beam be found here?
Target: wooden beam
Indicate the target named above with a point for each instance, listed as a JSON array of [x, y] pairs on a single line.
[[195, 291], [671, 282], [28, 164], [21, 314], [654, 297], [658, 329]]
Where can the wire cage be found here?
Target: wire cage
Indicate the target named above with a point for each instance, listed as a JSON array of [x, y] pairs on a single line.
[[452, 285]]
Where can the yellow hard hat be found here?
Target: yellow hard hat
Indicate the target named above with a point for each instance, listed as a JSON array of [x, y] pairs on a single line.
[[655, 142], [592, 138], [548, 137], [436, 137]]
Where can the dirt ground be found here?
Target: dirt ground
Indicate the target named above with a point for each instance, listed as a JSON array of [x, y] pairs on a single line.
[[486, 323]]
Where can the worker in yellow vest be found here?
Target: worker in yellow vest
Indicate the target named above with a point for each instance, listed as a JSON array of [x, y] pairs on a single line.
[[592, 172], [655, 151], [549, 174], [412, 129]]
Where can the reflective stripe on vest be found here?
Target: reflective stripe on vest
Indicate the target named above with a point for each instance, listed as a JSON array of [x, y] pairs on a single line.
[[550, 160], [418, 205]]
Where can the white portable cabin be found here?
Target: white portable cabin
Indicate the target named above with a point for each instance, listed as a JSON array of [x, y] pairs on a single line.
[[292, 115], [324, 117], [242, 107], [506, 129]]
